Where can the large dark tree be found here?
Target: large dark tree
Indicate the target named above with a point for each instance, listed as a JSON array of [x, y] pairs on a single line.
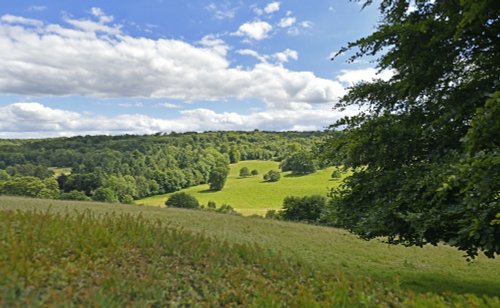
[[425, 148]]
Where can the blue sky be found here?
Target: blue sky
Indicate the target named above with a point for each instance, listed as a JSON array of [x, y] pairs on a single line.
[[139, 67]]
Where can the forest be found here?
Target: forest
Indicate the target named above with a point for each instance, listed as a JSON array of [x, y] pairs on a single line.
[[124, 168]]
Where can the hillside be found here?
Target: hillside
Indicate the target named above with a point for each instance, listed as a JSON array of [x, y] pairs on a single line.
[[329, 250], [251, 195]]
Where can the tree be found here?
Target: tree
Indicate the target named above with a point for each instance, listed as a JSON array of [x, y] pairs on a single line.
[[104, 194], [254, 172], [299, 163], [244, 172], [234, 155], [4, 175], [306, 208], [423, 172], [182, 200], [217, 178], [272, 176]]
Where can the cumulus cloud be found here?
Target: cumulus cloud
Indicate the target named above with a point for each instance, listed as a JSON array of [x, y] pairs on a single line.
[[11, 19], [272, 7], [256, 30], [287, 22], [351, 77], [29, 120], [93, 58], [285, 55]]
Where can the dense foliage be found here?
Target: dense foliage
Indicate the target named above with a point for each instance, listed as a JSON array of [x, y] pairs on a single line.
[[124, 168], [425, 148], [299, 163], [182, 200], [306, 209], [272, 176]]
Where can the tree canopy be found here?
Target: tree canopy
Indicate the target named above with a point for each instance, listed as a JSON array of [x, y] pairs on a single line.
[[425, 148]]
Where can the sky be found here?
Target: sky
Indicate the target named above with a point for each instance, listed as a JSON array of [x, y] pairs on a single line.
[[141, 67]]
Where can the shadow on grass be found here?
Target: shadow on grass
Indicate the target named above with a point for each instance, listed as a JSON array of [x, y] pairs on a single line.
[[426, 282], [207, 191]]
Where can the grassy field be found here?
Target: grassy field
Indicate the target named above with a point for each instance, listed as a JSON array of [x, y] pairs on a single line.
[[251, 195], [58, 171], [331, 251]]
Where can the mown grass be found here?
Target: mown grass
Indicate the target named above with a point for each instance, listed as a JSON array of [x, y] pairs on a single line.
[[329, 250], [125, 260], [251, 195]]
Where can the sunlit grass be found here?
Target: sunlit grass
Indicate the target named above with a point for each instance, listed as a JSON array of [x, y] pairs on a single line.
[[428, 269], [121, 259], [251, 195]]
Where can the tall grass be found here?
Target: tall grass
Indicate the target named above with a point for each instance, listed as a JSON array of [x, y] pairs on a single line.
[[127, 260], [429, 269]]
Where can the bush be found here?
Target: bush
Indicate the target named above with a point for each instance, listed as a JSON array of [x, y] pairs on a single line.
[[211, 205], [74, 195], [254, 172], [335, 174], [273, 214], [272, 176], [182, 200], [306, 208], [244, 172], [227, 209]]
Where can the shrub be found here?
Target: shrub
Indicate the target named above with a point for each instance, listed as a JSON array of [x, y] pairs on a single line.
[[211, 205], [272, 176], [254, 172], [335, 174], [244, 172], [182, 200], [226, 209], [306, 208], [75, 195], [273, 214]]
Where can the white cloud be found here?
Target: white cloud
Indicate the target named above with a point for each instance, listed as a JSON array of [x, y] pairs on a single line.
[[168, 105], [222, 10], [30, 120], [279, 57], [256, 30], [285, 55], [272, 7], [351, 77], [132, 104], [98, 60], [99, 13], [306, 24], [287, 22], [11, 19]]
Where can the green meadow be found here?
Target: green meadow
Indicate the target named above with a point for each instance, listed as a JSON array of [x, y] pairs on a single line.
[[417, 272], [251, 195]]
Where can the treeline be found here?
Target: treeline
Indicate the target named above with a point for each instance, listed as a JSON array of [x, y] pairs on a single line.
[[124, 168]]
